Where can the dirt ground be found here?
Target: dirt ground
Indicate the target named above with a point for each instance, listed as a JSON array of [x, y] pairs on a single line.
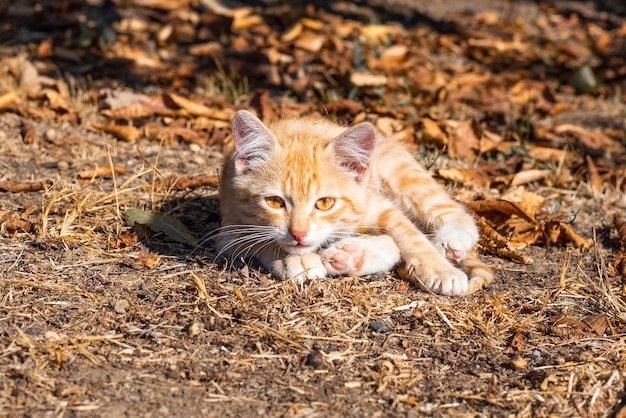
[[101, 319]]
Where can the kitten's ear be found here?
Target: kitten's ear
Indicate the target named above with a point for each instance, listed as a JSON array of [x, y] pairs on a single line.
[[353, 148], [253, 141]]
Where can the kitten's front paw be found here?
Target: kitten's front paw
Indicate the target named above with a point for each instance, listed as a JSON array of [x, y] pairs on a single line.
[[456, 241], [343, 258], [442, 280], [300, 268]]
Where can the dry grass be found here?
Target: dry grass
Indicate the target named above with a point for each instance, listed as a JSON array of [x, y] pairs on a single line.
[[89, 330], [98, 319]]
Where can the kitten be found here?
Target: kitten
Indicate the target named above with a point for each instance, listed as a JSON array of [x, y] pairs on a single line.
[[309, 199]]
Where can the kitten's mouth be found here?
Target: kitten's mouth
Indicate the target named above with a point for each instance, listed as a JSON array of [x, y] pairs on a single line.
[[299, 248]]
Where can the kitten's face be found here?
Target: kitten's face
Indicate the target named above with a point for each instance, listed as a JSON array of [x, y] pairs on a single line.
[[295, 184]]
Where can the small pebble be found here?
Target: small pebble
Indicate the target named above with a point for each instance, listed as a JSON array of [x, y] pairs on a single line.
[[518, 363], [194, 329], [379, 326], [315, 359], [51, 134], [121, 306], [63, 165]]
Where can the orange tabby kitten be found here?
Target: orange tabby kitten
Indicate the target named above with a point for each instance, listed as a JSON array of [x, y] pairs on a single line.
[[309, 199]]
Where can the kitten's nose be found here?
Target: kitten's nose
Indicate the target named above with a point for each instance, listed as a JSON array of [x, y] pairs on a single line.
[[298, 235]]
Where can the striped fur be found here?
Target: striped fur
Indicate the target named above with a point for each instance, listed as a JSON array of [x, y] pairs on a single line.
[[309, 198]]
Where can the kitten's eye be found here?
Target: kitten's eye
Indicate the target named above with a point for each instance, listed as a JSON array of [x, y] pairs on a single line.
[[325, 203], [275, 202]]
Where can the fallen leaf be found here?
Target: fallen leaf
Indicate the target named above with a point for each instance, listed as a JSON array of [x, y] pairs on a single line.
[[8, 98], [125, 132], [528, 202], [170, 226], [14, 224], [148, 259], [379, 32], [463, 139], [189, 182], [197, 109], [430, 132], [359, 79], [528, 176], [16, 187], [594, 180], [467, 176], [101, 171]]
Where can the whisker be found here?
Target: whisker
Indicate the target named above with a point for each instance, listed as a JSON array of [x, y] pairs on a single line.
[[243, 240]]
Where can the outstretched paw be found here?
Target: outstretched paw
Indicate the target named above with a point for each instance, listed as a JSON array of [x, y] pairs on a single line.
[[442, 280], [456, 241], [347, 258]]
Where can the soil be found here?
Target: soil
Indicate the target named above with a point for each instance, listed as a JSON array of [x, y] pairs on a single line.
[[94, 325]]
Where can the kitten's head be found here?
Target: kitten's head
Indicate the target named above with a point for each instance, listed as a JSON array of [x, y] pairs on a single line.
[[302, 181]]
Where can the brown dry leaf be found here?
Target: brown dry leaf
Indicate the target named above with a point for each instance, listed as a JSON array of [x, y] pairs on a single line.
[[116, 99], [16, 187], [196, 109], [518, 342], [132, 111], [392, 58], [141, 58], [28, 133], [480, 176], [101, 171], [172, 134], [529, 237], [342, 107], [310, 41], [560, 232], [568, 327], [244, 19], [527, 202], [489, 141], [8, 99], [56, 99], [553, 155], [504, 207], [495, 242], [525, 92], [30, 82], [12, 222], [148, 259], [379, 33], [388, 126], [367, 80], [593, 141], [528, 176], [125, 132], [189, 182], [126, 239], [431, 132], [595, 182], [463, 139], [292, 32]]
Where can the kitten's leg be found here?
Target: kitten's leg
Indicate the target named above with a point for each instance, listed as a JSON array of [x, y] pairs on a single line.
[[365, 254], [403, 180], [425, 265]]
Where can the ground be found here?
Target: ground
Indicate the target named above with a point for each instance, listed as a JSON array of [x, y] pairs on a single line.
[[107, 107]]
